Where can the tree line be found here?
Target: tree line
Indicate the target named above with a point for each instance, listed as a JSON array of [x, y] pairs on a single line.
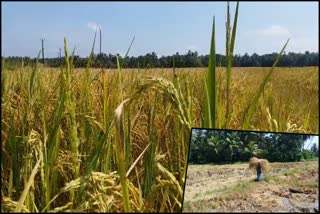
[[219, 146], [190, 59]]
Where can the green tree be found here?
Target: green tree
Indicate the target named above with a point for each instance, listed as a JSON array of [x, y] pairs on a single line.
[[314, 150]]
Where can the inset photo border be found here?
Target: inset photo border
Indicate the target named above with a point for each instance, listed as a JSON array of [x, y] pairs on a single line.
[[251, 171]]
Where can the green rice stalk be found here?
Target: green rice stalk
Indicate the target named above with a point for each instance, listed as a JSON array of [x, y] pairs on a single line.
[[206, 108], [91, 55], [32, 79], [220, 107], [211, 81], [70, 106], [54, 145], [106, 100], [86, 104], [125, 57], [97, 154], [43, 167], [230, 56], [228, 29], [71, 110], [85, 131], [149, 159], [253, 104], [120, 156], [14, 151], [101, 139], [72, 60]]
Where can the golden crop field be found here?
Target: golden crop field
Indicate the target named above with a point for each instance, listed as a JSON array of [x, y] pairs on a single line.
[[117, 140]]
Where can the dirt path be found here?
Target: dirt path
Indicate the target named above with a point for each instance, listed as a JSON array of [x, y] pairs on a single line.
[[290, 187]]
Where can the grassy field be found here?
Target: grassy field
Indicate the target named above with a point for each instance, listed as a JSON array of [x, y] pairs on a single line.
[[117, 140], [288, 187]]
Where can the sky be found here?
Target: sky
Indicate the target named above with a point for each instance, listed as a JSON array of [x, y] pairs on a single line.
[[313, 140], [162, 27]]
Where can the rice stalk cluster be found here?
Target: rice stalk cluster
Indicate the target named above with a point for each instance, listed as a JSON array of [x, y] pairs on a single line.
[[264, 163]]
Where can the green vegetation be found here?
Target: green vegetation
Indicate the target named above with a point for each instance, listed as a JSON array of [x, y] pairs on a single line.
[[220, 146], [182, 60]]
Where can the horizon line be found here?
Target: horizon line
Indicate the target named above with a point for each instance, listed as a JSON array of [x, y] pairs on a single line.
[[159, 56]]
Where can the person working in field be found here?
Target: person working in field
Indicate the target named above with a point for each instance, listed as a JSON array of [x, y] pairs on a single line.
[[259, 172], [260, 165]]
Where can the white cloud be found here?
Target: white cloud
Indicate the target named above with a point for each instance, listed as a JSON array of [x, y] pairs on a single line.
[[304, 43], [93, 26], [274, 31]]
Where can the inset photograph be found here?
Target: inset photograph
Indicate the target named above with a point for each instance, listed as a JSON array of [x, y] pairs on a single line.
[[248, 171]]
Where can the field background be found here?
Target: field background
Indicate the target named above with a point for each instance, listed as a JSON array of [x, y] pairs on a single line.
[[64, 120], [290, 99], [289, 187]]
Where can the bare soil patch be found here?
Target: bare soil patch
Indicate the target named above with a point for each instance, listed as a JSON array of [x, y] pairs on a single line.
[[288, 187]]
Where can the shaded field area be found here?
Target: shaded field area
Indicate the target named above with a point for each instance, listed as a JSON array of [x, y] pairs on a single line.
[[288, 187]]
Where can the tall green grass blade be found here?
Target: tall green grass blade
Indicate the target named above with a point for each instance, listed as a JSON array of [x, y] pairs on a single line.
[[119, 77], [228, 32], [91, 54], [233, 36], [72, 60], [211, 80], [253, 104], [125, 57], [230, 41]]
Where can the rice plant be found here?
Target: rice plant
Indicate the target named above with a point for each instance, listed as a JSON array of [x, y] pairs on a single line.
[[117, 140]]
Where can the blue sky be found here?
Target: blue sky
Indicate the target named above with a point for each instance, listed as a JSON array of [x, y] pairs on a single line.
[[313, 140], [162, 27]]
